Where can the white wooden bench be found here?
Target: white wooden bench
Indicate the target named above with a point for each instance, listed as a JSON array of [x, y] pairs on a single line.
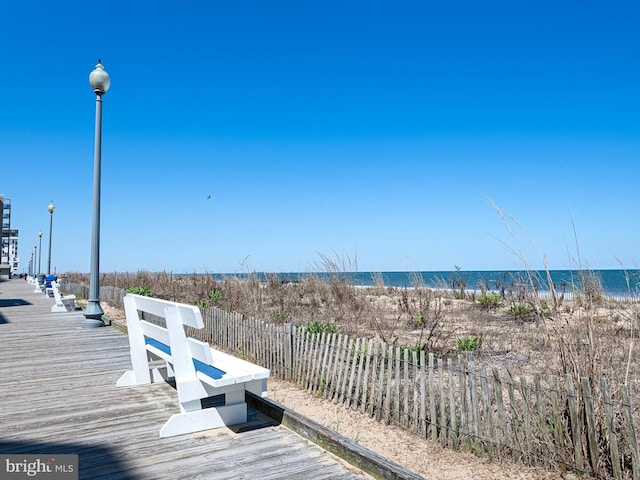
[[64, 303], [211, 384], [39, 286]]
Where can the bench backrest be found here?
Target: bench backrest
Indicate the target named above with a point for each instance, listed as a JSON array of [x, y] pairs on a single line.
[[56, 292], [190, 314]]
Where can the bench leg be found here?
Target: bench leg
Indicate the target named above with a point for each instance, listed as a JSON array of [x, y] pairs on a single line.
[[128, 378], [205, 419], [69, 305], [65, 307]]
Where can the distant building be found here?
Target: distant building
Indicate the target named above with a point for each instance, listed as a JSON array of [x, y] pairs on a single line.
[[9, 261]]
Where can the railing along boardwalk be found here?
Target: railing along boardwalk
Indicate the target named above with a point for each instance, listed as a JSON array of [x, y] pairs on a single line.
[[562, 422], [58, 395]]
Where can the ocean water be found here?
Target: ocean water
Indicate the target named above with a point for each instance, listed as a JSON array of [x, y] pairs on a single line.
[[613, 282]]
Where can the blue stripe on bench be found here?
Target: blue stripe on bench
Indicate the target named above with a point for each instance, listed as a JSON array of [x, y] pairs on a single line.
[[208, 370]]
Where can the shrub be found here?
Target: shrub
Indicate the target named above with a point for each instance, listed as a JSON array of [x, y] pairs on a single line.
[[319, 327], [215, 295], [489, 299], [468, 343], [140, 290], [417, 348], [519, 309]]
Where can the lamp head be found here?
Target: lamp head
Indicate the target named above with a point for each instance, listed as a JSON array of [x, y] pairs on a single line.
[[51, 207], [99, 79]]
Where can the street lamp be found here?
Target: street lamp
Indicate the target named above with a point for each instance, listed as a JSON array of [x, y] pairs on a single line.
[[51, 208], [33, 255], [40, 252], [99, 81]]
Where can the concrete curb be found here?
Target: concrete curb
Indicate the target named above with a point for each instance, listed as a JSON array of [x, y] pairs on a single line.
[[370, 462]]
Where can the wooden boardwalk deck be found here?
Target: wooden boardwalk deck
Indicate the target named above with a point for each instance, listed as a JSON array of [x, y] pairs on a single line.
[[58, 395]]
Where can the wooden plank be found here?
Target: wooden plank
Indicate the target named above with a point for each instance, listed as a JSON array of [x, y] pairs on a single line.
[[302, 355], [487, 430], [576, 435], [398, 381], [423, 395], [353, 359], [433, 422], [405, 388], [611, 430], [389, 398], [415, 387], [526, 414], [363, 400], [307, 359], [556, 417], [543, 432], [515, 419], [289, 350], [632, 439], [380, 395], [473, 398], [464, 402], [370, 409], [454, 434], [591, 424], [361, 356], [336, 356], [314, 361], [328, 346], [331, 361], [443, 404], [342, 354]]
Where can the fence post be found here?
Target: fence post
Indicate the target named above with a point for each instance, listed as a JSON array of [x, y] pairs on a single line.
[[288, 355]]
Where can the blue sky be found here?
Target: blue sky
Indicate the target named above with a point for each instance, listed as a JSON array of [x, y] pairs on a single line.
[[378, 132]]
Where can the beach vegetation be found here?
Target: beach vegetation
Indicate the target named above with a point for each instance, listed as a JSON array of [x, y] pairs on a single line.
[[489, 299], [141, 290], [281, 315], [316, 327], [458, 282], [415, 349], [519, 309], [468, 343], [215, 295]]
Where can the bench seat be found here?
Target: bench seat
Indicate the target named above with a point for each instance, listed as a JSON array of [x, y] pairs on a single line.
[[201, 367]]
